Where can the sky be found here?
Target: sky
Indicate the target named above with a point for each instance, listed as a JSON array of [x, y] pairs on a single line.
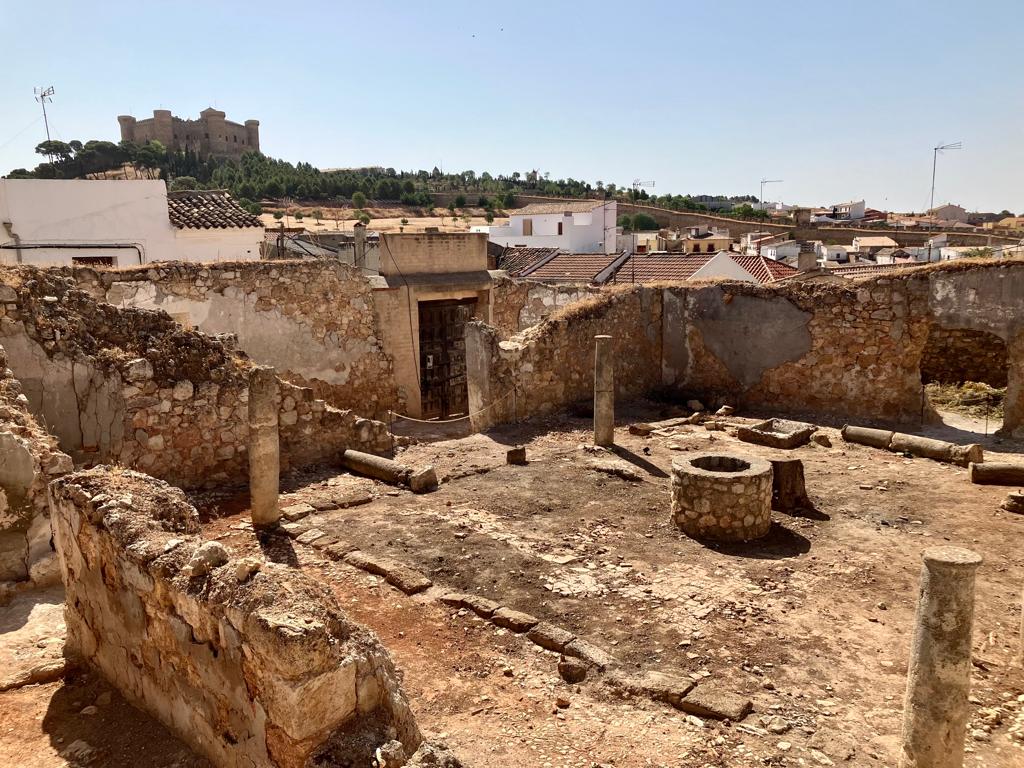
[[839, 101]]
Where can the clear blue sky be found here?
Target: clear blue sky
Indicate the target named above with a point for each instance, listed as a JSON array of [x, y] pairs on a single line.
[[839, 100]]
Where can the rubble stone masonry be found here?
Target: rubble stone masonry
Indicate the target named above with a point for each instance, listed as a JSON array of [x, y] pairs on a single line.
[[132, 387], [250, 662], [314, 321]]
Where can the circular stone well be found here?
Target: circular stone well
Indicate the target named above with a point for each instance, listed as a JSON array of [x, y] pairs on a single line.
[[723, 498]]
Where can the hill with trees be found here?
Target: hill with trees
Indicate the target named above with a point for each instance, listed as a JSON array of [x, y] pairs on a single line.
[[255, 177]]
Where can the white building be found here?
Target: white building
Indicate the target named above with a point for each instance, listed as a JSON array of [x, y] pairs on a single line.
[[120, 223], [574, 226], [826, 252], [787, 249]]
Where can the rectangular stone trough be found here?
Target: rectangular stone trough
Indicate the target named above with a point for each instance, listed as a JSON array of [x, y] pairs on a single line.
[[777, 433]]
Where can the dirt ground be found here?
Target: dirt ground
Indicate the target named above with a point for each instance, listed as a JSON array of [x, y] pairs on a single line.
[[812, 623], [385, 220]]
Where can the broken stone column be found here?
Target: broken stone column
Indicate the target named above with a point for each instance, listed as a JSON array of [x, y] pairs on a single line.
[[604, 391], [264, 448], [939, 678]]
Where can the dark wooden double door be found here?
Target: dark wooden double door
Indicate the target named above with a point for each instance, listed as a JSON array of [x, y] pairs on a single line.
[[443, 393]]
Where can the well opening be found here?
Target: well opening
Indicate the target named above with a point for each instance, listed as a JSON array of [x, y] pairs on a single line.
[[720, 464]]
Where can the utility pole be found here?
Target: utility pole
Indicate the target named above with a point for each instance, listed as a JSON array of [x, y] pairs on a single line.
[[42, 95], [935, 159]]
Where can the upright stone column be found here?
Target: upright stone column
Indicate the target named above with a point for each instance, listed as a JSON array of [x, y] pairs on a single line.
[[264, 448], [604, 391], [939, 679]]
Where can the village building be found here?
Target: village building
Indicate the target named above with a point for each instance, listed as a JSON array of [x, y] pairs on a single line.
[[121, 223], [576, 226], [699, 239]]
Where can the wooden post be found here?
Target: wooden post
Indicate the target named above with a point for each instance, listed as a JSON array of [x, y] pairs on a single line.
[[789, 491]]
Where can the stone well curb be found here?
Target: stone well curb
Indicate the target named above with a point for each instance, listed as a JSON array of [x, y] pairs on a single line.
[[682, 693]]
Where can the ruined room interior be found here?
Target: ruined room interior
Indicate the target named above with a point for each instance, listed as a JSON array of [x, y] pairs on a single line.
[[282, 513]]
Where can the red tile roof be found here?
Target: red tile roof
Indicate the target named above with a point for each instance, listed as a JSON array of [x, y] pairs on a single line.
[[572, 267], [867, 270], [208, 209], [647, 268]]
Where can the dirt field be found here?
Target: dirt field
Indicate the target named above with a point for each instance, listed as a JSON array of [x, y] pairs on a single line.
[[812, 624], [384, 220]]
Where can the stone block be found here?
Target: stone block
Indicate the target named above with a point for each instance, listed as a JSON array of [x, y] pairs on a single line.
[[550, 637], [589, 653], [514, 620], [295, 512], [516, 456], [709, 700], [481, 606], [423, 480]]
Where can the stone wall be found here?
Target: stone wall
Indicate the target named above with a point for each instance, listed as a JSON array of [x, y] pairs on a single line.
[[248, 661], [850, 351], [314, 321], [956, 355], [520, 304], [132, 387], [29, 459]]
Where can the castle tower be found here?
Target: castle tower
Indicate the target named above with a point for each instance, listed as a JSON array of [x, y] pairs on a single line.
[[252, 135], [215, 131], [127, 127], [163, 127]]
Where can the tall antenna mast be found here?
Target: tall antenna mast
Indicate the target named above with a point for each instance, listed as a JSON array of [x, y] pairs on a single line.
[[761, 203], [935, 158], [42, 96]]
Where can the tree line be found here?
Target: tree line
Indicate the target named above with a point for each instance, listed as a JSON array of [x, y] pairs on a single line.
[[254, 177]]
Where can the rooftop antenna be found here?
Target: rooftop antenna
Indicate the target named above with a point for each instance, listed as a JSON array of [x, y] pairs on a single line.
[[42, 96], [760, 200], [935, 158], [637, 185]]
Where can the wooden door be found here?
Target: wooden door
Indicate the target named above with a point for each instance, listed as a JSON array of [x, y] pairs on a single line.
[[443, 392]]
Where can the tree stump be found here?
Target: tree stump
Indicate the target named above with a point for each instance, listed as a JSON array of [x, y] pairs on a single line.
[[789, 491]]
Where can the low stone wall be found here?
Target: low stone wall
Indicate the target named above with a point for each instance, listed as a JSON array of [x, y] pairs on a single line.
[[956, 355], [132, 387], [313, 320], [520, 304], [250, 662], [29, 459]]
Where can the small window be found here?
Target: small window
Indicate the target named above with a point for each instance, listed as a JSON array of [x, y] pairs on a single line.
[[207, 135], [93, 261], [711, 247], [559, 227], [527, 227]]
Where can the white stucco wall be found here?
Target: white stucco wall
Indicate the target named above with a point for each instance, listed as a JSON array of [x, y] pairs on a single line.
[[129, 214], [590, 232]]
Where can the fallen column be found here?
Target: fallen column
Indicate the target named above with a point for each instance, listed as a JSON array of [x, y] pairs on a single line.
[[939, 677], [876, 438], [997, 473], [604, 391], [940, 450], [420, 480], [929, 448], [264, 448]]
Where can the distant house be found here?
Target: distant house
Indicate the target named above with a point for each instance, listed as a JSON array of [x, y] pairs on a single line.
[[872, 244], [780, 251], [121, 223], [638, 242], [596, 268], [699, 240], [840, 212], [826, 252], [949, 213], [575, 226]]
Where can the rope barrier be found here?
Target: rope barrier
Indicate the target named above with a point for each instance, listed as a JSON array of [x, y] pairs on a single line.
[[508, 394]]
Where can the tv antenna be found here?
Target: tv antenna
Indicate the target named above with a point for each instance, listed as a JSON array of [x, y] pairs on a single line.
[[935, 159], [42, 96], [763, 182]]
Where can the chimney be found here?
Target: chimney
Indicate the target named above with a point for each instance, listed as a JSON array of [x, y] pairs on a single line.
[[359, 236], [807, 261]]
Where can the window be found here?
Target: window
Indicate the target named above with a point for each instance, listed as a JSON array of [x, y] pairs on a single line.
[[207, 135], [527, 227], [559, 227], [711, 247], [93, 261]]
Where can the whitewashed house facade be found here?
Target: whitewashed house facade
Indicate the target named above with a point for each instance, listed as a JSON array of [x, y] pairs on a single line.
[[574, 226]]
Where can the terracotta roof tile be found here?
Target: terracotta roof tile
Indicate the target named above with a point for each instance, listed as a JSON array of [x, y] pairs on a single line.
[[569, 206], [517, 261], [648, 268], [572, 267], [208, 209]]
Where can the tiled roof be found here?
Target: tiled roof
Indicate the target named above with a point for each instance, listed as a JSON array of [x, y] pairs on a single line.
[[647, 268], [876, 242], [516, 261], [865, 270], [572, 267], [208, 209], [569, 206]]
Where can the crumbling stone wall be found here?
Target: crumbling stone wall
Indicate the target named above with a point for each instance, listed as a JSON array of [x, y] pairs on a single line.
[[29, 459], [248, 661], [520, 304], [850, 351], [133, 387], [956, 355], [552, 364], [313, 320]]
